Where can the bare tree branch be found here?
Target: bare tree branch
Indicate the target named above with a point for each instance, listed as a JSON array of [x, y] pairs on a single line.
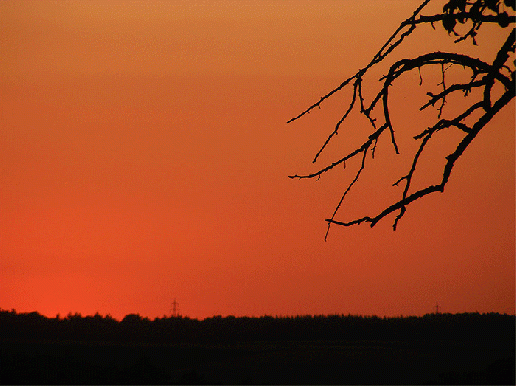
[[484, 77]]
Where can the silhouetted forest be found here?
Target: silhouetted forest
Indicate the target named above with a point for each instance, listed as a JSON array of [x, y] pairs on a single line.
[[468, 348]]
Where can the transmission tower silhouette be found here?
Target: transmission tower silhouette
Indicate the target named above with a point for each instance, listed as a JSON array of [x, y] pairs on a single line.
[[174, 308]]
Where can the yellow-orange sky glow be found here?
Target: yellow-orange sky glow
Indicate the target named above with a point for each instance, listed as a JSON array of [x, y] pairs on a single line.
[[145, 154]]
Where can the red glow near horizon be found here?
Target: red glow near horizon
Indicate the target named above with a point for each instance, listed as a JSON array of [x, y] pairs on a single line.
[[145, 157]]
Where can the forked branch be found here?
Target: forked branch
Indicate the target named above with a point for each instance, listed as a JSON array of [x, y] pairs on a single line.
[[484, 78]]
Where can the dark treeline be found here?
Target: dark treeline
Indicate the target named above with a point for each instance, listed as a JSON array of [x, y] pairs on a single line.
[[469, 348], [172, 330]]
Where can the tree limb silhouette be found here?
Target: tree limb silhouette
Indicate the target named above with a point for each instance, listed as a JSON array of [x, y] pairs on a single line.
[[484, 77]]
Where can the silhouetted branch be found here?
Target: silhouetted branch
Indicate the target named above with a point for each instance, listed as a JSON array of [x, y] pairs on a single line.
[[362, 166], [484, 77], [380, 55], [451, 158]]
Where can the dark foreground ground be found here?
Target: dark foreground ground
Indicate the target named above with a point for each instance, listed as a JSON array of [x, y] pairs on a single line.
[[455, 349]]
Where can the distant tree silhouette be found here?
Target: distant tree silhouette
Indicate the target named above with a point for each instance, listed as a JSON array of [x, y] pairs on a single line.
[[79, 349], [490, 87]]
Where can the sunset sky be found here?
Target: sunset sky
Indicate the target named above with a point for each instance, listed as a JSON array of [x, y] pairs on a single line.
[[145, 154]]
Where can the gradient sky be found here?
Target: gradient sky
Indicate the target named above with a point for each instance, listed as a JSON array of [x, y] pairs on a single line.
[[145, 154]]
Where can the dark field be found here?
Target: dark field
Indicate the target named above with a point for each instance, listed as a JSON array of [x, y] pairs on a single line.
[[434, 349]]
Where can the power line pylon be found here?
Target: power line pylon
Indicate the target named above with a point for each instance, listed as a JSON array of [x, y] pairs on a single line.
[[174, 308]]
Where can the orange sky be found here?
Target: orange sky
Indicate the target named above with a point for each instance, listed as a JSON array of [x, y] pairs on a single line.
[[144, 157]]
